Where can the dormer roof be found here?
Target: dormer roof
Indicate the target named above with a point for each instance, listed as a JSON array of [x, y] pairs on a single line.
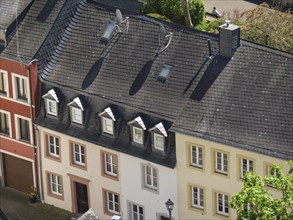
[[159, 128], [51, 94], [138, 122], [108, 113], [76, 103]]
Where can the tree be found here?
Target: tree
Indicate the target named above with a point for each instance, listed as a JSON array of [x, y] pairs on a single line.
[[186, 13], [254, 201], [174, 10]]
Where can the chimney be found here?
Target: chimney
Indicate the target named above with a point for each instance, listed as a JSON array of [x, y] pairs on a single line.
[[229, 38]]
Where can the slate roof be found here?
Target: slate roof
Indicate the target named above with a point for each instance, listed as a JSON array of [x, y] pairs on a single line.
[[110, 71], [250, 104], [244, 102], [8, 9], [31, 33]]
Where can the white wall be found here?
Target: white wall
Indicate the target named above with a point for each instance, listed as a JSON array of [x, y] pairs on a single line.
[[132, 188]]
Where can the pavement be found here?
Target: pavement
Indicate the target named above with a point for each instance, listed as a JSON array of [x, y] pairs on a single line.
[[16, 206]]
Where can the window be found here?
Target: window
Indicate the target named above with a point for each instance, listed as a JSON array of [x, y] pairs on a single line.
[[107, 125], [53, 146], [23, 125], [78, 154], [246, 165], [3, 83], [5, 123], [159, 142], [111, 202], [150, 177], [110, 164], [76, 115], [136, 212], [21, 88], [197, 197], [55, 184], [222, 204], [196, 156], [137, 135], [221, 162], [51, 107]]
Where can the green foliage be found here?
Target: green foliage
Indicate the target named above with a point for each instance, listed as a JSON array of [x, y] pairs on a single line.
[[161, 17], [255, 201], [173, 10]]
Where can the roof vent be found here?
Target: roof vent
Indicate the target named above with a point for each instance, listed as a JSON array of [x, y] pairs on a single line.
[[229, 38], [164, 73]]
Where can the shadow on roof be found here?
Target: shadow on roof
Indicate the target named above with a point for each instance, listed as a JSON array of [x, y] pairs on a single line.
[[210, 75], [92, 74], [141, 77]]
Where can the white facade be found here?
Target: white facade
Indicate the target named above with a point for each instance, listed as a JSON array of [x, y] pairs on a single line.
[[134, 191]]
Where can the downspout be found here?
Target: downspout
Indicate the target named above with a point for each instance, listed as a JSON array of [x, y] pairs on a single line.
[[41, 193]]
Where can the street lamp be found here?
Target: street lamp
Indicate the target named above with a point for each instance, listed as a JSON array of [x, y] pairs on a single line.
[[169, 206]]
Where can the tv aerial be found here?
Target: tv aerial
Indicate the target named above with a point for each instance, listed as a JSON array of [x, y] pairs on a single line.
[[120, 20]]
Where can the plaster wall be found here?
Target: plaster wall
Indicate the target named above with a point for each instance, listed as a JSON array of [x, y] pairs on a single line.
[[208, 180]]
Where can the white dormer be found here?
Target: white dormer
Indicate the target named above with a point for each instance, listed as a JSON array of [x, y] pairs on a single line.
[[51, 102], [158, 136], [76, 111], [107, 121], [137, 128]]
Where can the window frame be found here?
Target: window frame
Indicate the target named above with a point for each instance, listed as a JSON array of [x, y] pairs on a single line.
[[197, 157], [73, 110], [18, 129], [107, 208], [225, 203], [105, 121], [134, 139], [48, 102], [200, 197], [153, 177], [114, 162], [25, 83], [162, 148], [7, 124], [5, 85], [58, 182], [242, 170], [53, 155], [132, 213], [73, 153], [221, 162]]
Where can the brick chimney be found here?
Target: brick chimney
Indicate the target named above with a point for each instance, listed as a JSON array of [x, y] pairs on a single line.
[[229, 39]]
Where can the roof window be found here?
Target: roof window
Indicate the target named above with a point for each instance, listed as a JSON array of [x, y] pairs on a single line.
[[108, 32], [76, 111], [107, 121], [164, 74]]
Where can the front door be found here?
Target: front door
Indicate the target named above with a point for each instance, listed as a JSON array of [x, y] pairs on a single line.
[[81, 197]]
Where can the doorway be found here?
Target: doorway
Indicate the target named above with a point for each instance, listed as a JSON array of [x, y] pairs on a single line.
[[81, 197]]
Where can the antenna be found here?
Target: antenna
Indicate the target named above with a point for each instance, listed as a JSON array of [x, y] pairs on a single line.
[[168, 43], [119, 16], [162, 31]]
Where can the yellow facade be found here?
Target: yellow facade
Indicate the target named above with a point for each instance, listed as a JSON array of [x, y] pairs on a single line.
[[215, 183]]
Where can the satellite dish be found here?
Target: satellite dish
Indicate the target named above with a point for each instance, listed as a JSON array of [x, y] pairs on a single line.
[[119, 16], [162, 31]]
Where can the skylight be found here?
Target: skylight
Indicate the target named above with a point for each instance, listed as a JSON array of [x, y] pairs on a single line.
[[165, 72], [108, 32]]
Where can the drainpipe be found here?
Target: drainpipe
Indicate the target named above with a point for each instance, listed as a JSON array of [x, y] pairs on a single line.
[[40, 164]]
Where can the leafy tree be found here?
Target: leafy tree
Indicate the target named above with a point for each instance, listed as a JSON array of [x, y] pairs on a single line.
[[254, 201], [173, 9]]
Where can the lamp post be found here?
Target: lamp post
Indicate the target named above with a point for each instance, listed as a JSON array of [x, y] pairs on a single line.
[[169, 206]]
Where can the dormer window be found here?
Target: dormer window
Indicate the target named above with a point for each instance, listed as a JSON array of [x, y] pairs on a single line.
[[105, 39], [158, 136], [107, 121], [76, 111], [164, 74], [51, 103], [137, 128]]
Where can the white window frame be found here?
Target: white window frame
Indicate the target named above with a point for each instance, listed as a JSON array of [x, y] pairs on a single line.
[[136, 215], [199, 197], [48, 110], [106, 123], [109, 160], [4, 76], [134, 137], [162, 148], [15, 88], [151, 178], [247, 164], [79, 153], [74, 117], [9, 122], [225, 203], [16, 119], [113, 202], [55, 180], [221, 162], [195, 159], [54, 145]]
